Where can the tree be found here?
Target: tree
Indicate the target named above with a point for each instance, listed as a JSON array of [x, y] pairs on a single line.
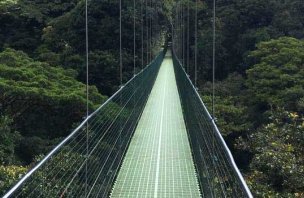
[[43, 101], [276, 80], [8, 141], [275, 91], [22, 21], [278, 166]]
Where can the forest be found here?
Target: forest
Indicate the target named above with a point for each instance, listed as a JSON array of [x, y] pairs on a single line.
[[259, 88]]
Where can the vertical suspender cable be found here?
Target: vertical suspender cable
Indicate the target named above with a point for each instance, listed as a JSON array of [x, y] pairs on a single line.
[[188, 37], [151, 21], [184, 37], [213, 62], [178, 30], [195, 46], [182, 32], [134, 38], [120, 43], [213, 88], [134, 49], [142, 34], [120, 72], [147, 33], [183, 21], [151, 39], [87, 95]]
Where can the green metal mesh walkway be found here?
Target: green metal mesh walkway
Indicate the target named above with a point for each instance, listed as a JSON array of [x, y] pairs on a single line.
[[159, 162]]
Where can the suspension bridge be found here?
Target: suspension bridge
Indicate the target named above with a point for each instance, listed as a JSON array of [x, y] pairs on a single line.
[[154, 137]]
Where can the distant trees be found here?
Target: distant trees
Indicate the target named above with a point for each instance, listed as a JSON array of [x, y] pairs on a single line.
[[22, 21], [63, 41], [240, 25]]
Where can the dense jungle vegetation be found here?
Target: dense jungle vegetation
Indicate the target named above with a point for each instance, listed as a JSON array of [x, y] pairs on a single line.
[[259, 71]]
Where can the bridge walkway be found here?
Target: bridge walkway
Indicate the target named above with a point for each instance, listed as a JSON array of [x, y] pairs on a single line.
[[159, 162]]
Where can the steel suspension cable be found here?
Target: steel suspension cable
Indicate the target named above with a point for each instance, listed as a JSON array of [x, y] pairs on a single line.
[[213, 80], [120, 68], [184, 36], [147, 33], [213, 60], [142, 34], [134, 38], [188, 37], [134, 47], [195, 46], [151, 38], [182, 33], [87, 92], [120, 42], [178, 44]]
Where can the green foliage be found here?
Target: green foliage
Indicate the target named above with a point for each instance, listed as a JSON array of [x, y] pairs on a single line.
[[8, 140], [63, 41], [40, 98], [230, 112], [278, 160], [267, 108], [240, 25], [22, 21], [274, 95], [9, 175], [43, 101], [103, 71], [37, 83], [277, 78]]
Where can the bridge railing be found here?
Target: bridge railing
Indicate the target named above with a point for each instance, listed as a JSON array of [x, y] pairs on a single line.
[[217, 172], [86, 162]]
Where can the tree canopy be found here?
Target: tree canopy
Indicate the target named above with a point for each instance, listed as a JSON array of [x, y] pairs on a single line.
[[40, 97]]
